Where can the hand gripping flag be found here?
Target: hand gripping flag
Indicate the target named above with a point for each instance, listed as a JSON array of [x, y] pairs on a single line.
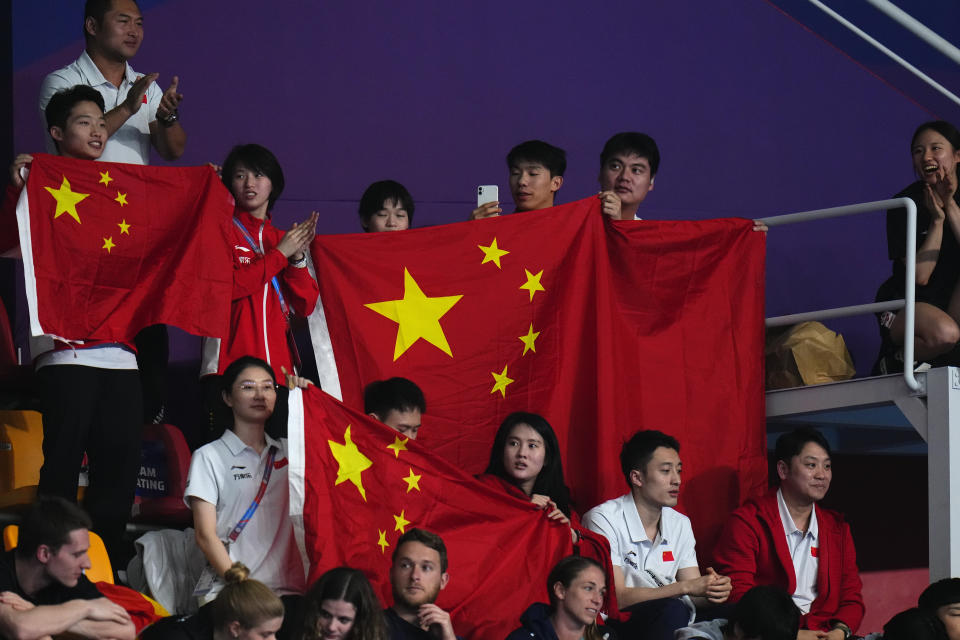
[[361, 486], [602, 327], [111, 248]]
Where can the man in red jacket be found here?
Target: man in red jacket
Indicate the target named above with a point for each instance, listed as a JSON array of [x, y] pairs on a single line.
[[785, 539]]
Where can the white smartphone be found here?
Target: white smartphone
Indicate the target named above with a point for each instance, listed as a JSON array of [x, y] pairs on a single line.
[[487, 193]]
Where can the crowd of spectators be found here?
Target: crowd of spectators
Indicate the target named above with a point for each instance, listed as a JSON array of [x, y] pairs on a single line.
[[785, 566]]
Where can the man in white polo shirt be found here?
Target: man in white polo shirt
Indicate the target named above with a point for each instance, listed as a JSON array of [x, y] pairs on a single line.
[[785, 539], [653, 551], [138, 115]]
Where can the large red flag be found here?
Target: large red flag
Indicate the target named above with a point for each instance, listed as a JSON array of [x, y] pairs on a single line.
[[111, 248], [603, 327], [363, 486]]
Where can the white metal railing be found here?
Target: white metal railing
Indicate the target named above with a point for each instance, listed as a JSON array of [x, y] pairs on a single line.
[[913, 26], [907, 303]]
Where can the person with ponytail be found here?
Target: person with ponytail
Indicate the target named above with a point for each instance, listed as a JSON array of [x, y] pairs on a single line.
[[245, 609], [576, 588]]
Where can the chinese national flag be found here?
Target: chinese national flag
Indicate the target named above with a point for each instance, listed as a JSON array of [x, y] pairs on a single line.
[[111, 248], [364, 485], [602, 327]]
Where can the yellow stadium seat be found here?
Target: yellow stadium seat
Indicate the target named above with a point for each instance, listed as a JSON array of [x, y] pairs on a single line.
[[21, 456], [100, 568]]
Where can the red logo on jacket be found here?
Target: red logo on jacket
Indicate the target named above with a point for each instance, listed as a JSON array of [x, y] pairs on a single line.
[[814, 552], [668, 556]]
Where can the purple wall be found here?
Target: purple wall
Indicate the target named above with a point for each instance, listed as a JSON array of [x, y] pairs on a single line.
[[754, 114]]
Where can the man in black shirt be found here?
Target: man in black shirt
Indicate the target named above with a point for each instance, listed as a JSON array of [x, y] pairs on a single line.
[[43, 591]]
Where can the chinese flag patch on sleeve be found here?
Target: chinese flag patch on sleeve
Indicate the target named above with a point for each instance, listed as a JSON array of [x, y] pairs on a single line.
[[668, 556]]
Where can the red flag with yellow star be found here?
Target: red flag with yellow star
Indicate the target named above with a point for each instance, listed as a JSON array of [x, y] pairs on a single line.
[[602, 327], [111, 248], [363, 486]]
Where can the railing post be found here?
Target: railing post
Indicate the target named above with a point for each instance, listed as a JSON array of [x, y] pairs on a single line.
[[911, 273]]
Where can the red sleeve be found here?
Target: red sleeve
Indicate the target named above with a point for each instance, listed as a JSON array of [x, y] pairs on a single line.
[[301, 290], [736, 553], [851, 608], [249, 278]]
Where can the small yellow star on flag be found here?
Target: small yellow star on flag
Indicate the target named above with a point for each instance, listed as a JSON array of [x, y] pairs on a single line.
[[530, 340], [533, 283], [351, 462], [417, 316], [501, 382], [401, 521], [413, 481], [382, 542], [105, 178], [399, 444], [492, 253], [67, 200], [124, 227], [122, 199], [108, 244]]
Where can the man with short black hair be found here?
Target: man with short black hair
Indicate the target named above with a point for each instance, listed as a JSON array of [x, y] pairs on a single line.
[[785, 539], [397, 403], [138, 113], [418, 574], [652, 548], [90, 394], [536, 174], [628, 165], [43, 591]]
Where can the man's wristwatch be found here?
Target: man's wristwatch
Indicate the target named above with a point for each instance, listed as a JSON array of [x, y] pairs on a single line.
[[169, 119], [300, 263], [837, 624]]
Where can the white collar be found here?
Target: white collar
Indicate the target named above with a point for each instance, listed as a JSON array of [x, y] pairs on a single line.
[[635, 525], [89, 69], [236, 445], [789, 526]]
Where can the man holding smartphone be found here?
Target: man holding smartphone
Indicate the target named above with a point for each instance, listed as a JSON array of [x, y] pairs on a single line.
[[536, 174]]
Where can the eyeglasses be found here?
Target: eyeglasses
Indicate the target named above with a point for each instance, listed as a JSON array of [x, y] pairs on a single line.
[[251, 387]]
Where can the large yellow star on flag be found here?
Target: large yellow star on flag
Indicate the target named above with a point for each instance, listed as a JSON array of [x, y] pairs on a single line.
[[382, 542], [352, 462], [530, 340], [401, 522], [108, 244], [105, 178], [417, 316], [399, 444], [533, 283], [67, 200], [501, 382], [413, 481], [492, 253]]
